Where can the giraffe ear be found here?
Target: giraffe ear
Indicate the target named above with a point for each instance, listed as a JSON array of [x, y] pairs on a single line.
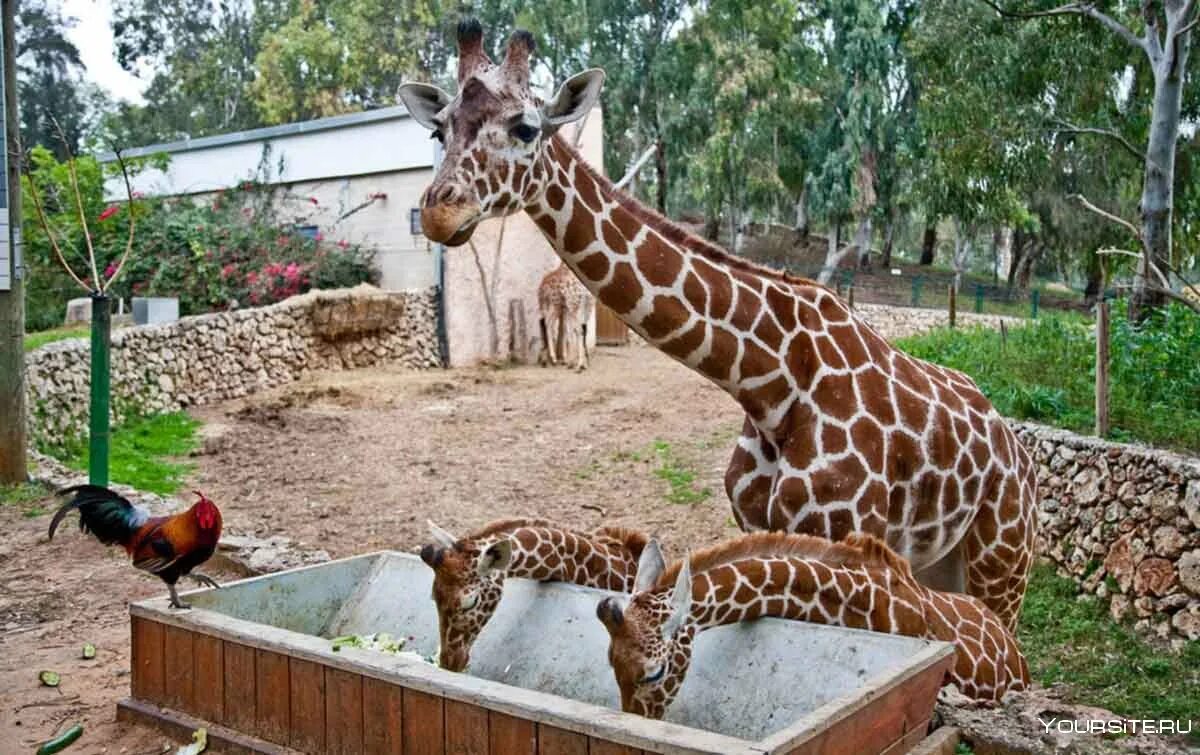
[[573, 100], [441, 536], [650, 567], [681, 599], [423, 101], [497, 557]]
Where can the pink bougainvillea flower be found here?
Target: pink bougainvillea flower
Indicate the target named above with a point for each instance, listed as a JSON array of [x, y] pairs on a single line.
[[319, 237], [251, 277], [110, 270], [138, 195], [344, 244], [313, 200], [228, 270], [109, 211]]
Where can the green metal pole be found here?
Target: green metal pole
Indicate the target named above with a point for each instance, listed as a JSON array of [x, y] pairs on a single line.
[[99, 428], [916, 291], [1033, 303], [978, 298]]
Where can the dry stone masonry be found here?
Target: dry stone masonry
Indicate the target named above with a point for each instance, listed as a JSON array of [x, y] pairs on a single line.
[[1124, 522], [199, 360]]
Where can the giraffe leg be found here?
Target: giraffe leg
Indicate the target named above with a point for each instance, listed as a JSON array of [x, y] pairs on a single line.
[[998, 550], [948, 574], [749, 479], [544, 354]]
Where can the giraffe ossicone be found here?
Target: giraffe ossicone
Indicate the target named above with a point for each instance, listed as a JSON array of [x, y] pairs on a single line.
[[842, 432], [469, 572], [859, 584]]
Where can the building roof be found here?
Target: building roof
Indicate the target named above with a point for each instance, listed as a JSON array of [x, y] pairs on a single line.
[[375, 141], [262, 134]]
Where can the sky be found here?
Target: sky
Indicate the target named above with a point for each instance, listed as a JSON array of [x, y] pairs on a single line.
[[92, 34]]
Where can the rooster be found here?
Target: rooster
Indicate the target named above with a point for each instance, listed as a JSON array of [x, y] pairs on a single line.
[[166, 546]]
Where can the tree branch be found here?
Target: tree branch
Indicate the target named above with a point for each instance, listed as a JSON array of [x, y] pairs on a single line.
[[1108, 215], [87, 236], [1079, 9], [1067, 128], [1194, 306], [36, 194], [132, 221], [636, 167]]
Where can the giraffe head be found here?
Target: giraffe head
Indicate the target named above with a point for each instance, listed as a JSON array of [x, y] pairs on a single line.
[[494, 132], [468, 580], [650, 643]]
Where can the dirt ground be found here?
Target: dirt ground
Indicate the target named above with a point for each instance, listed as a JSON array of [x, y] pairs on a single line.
[[352, 462]]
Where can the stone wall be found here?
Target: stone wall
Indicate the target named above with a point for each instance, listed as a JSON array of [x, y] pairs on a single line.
[[224, 355], [901, 322], [1124, 522]]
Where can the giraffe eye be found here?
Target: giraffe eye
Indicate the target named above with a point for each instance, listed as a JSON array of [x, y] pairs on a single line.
[[655, 676], [524, 132]]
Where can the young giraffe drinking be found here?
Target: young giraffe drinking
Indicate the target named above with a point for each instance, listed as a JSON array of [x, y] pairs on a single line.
[[842, 433], [469, 573], [859, 583]]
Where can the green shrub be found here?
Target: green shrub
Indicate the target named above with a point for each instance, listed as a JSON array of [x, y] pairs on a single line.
[[1045, 371], [233, 248]]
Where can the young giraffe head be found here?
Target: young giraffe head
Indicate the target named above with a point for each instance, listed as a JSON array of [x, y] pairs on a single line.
[[651, 638], [494, 132], [468, 580]]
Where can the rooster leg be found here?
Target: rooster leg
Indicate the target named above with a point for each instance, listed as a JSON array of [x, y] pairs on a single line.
[[175, 601], [204, 580]]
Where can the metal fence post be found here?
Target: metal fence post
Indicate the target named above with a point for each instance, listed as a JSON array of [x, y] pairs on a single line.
[[1033, 303], [978, 298], [98, 420], [916, 291]]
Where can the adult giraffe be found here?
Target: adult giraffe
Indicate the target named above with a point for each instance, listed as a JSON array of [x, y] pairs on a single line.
[[842, 433]]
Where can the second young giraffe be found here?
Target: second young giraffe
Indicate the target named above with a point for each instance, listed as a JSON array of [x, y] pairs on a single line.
[[565, 307], [859, 583], [469, 573], [842, 432]]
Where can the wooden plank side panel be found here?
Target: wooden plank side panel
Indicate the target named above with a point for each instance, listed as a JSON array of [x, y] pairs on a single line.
[[423, 724], [178, 669], [241, 680], [208, 671], [466, 729], [604, 747], [610, 329], [306, 681], [510, 735], [887, 720], [272, 692], [910, 740], [344, 712], [147, 664], [554, 741], [383, 718]]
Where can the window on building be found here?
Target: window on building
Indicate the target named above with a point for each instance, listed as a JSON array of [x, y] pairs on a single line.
[[308, 231]]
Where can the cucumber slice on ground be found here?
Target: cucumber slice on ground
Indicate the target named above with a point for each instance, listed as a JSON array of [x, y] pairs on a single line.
[[50, 678]]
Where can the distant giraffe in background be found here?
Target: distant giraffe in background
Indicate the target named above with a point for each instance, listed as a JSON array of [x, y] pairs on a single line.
[[565, 308]]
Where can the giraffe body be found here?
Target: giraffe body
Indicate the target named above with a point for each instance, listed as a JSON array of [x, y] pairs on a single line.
[[565, 307], [469, 573], [842, 432], [859, 584]]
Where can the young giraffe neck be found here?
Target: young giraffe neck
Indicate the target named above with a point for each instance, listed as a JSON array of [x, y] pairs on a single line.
[[730, 320], [877, 597], [591, 559]]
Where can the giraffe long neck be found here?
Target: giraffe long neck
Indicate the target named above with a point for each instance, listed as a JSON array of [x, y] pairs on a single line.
[[587, 559], [804, 589], [730, 321]]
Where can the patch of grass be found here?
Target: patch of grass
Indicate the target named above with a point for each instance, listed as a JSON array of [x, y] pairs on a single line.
[[1072, 640], [682, 481], [962, 748], [27, 496], [43, 337], [144, 452], [1045, 371]]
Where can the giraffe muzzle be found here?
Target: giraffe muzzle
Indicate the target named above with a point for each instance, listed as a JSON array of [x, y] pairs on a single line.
[[451, 224]]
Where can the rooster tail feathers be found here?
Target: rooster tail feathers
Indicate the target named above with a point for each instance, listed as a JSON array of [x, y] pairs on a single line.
[[103, 512]]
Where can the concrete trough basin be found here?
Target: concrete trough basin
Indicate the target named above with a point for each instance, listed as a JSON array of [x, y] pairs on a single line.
[[254, 662]]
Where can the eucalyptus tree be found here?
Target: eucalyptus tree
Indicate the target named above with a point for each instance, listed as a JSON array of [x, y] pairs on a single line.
[[1159, 35]]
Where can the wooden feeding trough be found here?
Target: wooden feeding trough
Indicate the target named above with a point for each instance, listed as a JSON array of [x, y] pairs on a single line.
[[254, 663]]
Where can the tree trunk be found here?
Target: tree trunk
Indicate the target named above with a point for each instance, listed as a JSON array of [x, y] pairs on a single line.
[[660, 168], [12, 302], [929, 242], [862, 242], [1102, 339], [889, 239], [962, 250], [802, 214], [1158, 182], [836, 252], [1094, 291], [1002, 245]]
